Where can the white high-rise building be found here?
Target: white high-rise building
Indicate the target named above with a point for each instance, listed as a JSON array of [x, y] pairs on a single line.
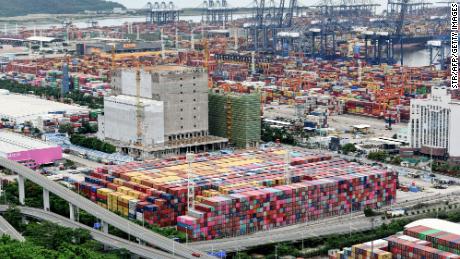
[[434, 123]]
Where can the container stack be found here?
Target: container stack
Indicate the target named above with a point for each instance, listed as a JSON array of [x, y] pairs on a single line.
[[265, 208], [441, 240], [375, 249], [239, 193], [402, 246]]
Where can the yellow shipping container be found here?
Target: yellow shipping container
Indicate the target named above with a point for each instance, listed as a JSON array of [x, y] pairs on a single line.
[[118, 181], [104, 191], [124, 189], [125, 198], [134, 194]]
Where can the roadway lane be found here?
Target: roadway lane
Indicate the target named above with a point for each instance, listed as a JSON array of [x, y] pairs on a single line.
[[107, 239], [107, 216], [82, 161], [7, 229]]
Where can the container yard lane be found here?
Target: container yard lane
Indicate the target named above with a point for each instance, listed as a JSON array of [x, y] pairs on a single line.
[[107, 216]]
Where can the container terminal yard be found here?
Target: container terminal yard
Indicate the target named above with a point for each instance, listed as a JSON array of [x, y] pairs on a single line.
[[281, 117]]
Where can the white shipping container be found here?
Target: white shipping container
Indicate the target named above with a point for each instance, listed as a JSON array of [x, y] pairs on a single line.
[[132, 206], [139, 216]]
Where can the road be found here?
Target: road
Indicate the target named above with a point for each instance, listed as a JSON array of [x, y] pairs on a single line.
[[7, 229], [107, 216], [107, 239], [82, 161]]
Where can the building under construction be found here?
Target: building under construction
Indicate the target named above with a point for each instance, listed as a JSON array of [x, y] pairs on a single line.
[[236, 117], [183, 94]]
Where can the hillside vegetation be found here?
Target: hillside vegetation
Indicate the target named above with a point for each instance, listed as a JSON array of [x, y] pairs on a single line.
[[25, 7]]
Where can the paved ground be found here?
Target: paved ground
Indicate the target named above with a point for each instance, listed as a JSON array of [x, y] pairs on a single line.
[[339, 122], [82, 161], [345, 121]]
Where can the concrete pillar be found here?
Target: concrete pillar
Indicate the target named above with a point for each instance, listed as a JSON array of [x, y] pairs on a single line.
[[46, 199], [72, 211], [22, 193], [105, 227]]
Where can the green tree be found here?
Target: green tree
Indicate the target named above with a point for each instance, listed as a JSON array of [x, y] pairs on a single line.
[[14, 217], [368, 212], [52, 236], [92, 143], [66, 128], [378, 156], [396, 160], [348, 148]]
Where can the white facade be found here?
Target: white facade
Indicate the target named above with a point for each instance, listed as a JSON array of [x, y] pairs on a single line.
[[183, 90], [119, 121], [435, 121]]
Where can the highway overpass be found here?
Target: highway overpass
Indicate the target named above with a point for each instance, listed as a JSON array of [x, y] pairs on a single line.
[[104, 238], [7, 229], [108, 217]]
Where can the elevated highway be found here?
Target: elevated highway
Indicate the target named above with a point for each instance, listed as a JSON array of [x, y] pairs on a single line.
[[108, 217], [7, 229]]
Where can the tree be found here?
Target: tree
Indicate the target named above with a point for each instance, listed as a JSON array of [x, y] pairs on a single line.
[[368, 212], [396, 160], [92, 143], [349, 148], [378, 156], [52, 236], [66, 128], [14, 217]]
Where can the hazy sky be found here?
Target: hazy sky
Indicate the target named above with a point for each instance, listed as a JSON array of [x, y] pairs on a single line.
[[196, 3]]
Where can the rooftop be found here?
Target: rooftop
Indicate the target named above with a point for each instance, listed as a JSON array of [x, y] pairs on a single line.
[[438, 224], [41, 39], [27, 107], [12, 142]]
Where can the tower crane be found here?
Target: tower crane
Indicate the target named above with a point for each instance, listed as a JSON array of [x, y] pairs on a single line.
[[139, 112]]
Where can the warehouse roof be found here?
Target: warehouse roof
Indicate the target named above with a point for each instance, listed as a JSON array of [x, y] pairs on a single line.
[[12, 142], [438, 224], [23, 107], [41, 39]]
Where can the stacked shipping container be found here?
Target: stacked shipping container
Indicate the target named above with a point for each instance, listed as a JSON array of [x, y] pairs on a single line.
[[441, 240], [397, 246], [239, 193], [406, 247]]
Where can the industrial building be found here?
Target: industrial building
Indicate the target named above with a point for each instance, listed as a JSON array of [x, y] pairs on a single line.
[[183, 94], [28, 151], [117, 46], [19, 109], [235, 116], [434, 124]]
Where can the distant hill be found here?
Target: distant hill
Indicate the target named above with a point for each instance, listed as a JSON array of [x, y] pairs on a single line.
[[24, 7]]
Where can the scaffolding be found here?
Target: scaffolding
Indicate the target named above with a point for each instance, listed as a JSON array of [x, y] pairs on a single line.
[[235, 116]]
